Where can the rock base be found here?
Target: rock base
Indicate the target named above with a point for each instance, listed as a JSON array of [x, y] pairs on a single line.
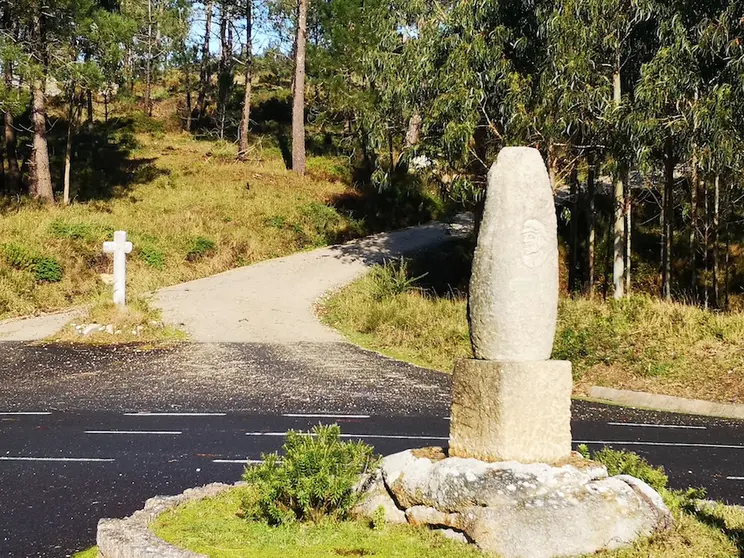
[[513, 509], [511, 411]]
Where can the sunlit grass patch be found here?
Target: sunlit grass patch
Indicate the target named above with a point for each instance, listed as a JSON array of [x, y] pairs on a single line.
[[641, 343], [214, 527]]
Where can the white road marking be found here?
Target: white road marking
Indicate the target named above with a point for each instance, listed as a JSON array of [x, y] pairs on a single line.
[[734, 478], [25, 413], [156, 432], [644, 425], [670, 444], [383, 436], [241, 461], [311, 415], [147, 414], [73, 459]]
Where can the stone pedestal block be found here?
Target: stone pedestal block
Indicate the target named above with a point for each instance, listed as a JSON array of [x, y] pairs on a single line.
[[511, 411]]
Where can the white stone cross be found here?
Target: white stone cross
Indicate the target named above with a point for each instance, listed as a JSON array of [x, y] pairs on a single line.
[[119, 248]]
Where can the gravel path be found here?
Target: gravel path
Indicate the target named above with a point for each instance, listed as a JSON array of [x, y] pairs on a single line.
[[272, 301]]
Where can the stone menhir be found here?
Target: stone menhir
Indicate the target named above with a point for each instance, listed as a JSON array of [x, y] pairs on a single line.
[[511, 403]]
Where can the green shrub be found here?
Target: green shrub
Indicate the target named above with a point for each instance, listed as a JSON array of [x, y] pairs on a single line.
[[276, 221], [152, 256], [200, 247], [392, 278], [315, 479], [628, 463], [47, 269], [44, 268], [60, 228], [19, 257]]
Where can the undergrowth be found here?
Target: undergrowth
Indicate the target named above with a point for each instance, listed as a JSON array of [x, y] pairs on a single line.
[[313, 480], [639, 343], [189, 211]]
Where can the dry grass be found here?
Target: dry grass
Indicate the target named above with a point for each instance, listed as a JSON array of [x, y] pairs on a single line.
[[137, 323], [190, 190], [640, 344]]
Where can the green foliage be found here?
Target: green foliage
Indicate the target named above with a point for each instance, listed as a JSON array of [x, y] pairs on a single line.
[[315, 478], [628, 463], [378, 519], [48, 270], [61, 228], [200, 247], [45, 268], [392, 278], [19, 257], [152, 256]]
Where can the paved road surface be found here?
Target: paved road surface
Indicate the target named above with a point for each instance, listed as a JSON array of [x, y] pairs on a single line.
[[82, 434], [65, 463]]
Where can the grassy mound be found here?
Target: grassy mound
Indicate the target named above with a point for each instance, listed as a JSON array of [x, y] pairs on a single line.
[[642, 343], [189, 208], [214, 527]]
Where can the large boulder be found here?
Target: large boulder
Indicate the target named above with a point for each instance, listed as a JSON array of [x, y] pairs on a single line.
[[518, 510]]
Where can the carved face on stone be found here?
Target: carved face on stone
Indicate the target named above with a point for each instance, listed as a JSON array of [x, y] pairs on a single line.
[[534, 243]]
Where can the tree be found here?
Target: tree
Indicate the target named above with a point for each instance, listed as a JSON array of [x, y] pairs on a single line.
[[41, 178], [248, 76], [204, 73], [298, 90]]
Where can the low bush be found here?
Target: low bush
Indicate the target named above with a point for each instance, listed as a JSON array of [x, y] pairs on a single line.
[[628, 463], [314, 479], [45, 268], [48, 270], [392, 278], [19, 257], [200, 248], [152, 256]]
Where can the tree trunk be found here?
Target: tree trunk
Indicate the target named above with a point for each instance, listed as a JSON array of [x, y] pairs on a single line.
[[246, 117], [68, 150], [41, 182], [628, 232], [3, 183], [716, 236], [668, 205], [706, 244], [187, 123], [573, 272], [298, 102], [89, 108], [590, 221], [105, 105], [225, 77], [727, 257], [694, 185], [413, 133], [204, 74], [618, 268], [13, 176], [148, 62]]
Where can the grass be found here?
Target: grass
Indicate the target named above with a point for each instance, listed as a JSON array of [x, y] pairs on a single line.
[[641, 343], [137, 323], [189, 208], [213, 527], [91, 552]]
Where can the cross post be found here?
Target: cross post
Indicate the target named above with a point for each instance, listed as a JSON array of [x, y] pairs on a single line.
[[119, 248]]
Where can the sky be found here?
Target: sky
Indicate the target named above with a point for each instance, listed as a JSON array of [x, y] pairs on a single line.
[[263, 36]]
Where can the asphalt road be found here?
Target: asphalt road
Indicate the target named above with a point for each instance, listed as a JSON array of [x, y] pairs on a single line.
[[96, 435]]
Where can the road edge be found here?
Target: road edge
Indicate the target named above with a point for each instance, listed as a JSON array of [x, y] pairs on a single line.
[[131, 537], [667, 403]]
